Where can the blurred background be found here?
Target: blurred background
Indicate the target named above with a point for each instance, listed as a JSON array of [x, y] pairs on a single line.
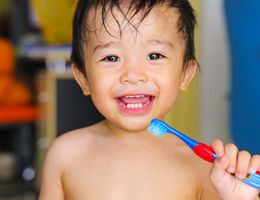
[[39, 99]]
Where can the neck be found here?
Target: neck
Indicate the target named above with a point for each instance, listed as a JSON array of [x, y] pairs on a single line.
[[128, 135]]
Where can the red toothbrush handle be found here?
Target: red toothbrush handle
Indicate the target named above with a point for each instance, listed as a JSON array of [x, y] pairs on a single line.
[[205, 152]]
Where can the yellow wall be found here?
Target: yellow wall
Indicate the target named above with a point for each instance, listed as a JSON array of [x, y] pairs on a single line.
[[184, 114]]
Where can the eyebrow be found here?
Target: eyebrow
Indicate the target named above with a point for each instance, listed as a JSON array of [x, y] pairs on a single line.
[[105, 45], [160, 42], [153, 41]]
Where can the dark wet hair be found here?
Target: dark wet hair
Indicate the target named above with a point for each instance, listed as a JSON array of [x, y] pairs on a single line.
[[186, 22]]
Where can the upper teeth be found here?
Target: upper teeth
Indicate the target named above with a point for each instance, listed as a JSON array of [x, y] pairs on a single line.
[[137, 96]]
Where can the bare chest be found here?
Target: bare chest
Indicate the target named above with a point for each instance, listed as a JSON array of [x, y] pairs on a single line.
[[131, 178]]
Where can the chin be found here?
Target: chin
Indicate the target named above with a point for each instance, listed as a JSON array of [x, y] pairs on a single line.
[[134, 124]]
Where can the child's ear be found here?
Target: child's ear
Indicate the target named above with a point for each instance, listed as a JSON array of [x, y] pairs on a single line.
[[81, 80], [188, 74]]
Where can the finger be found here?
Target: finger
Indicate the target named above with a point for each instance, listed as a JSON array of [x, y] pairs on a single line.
[[218, 147], [231, 151], [254, 163], [218, 170], [243, 161]]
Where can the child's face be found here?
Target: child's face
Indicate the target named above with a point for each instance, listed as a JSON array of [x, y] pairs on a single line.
[[135, 78]]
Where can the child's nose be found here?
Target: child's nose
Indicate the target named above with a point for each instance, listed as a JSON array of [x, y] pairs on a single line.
[[133, 75]]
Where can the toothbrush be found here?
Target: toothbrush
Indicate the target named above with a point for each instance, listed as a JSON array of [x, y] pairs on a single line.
[[159, 128]]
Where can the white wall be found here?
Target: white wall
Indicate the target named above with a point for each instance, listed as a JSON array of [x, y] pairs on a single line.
[[214, 77]]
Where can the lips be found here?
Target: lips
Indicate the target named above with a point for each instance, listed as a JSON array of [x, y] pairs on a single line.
[[135, 104]]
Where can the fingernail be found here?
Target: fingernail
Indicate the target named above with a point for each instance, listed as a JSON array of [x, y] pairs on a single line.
[[219, 154], [252, 170], [223, 158], [231, 169]]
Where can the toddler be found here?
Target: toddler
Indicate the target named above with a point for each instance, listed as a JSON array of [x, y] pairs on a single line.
[[133, 57]]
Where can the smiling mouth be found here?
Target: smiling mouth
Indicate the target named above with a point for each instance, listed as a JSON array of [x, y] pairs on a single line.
[[135, 103]]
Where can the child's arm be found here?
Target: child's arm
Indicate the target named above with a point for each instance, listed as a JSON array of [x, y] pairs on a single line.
[[231, 161], [51, 187]]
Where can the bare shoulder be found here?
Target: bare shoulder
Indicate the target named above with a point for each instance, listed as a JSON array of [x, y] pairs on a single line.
[[197, 170], [70, 145], [64, 151]]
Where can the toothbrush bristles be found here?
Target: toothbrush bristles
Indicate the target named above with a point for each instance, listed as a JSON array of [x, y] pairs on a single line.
[[157, 129]]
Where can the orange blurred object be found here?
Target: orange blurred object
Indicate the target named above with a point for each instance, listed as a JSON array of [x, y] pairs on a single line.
[[12, 92], [6, 57], [18, 114]]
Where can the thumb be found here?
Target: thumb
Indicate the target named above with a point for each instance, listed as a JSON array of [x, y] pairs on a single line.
[[218, 175]]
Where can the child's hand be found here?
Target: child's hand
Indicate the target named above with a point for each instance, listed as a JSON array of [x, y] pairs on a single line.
[[231, 161]]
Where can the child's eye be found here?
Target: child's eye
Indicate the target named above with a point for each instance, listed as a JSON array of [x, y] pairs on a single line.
[[154, 56], [111, 59]]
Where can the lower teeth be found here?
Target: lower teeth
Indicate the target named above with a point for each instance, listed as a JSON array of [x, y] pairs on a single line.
[[133, 106]]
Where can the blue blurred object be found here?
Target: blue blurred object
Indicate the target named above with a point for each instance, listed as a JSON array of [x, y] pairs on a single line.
[[243, 24]]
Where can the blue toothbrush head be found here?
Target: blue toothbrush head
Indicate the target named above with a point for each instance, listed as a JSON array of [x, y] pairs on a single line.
[[157, 128]]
